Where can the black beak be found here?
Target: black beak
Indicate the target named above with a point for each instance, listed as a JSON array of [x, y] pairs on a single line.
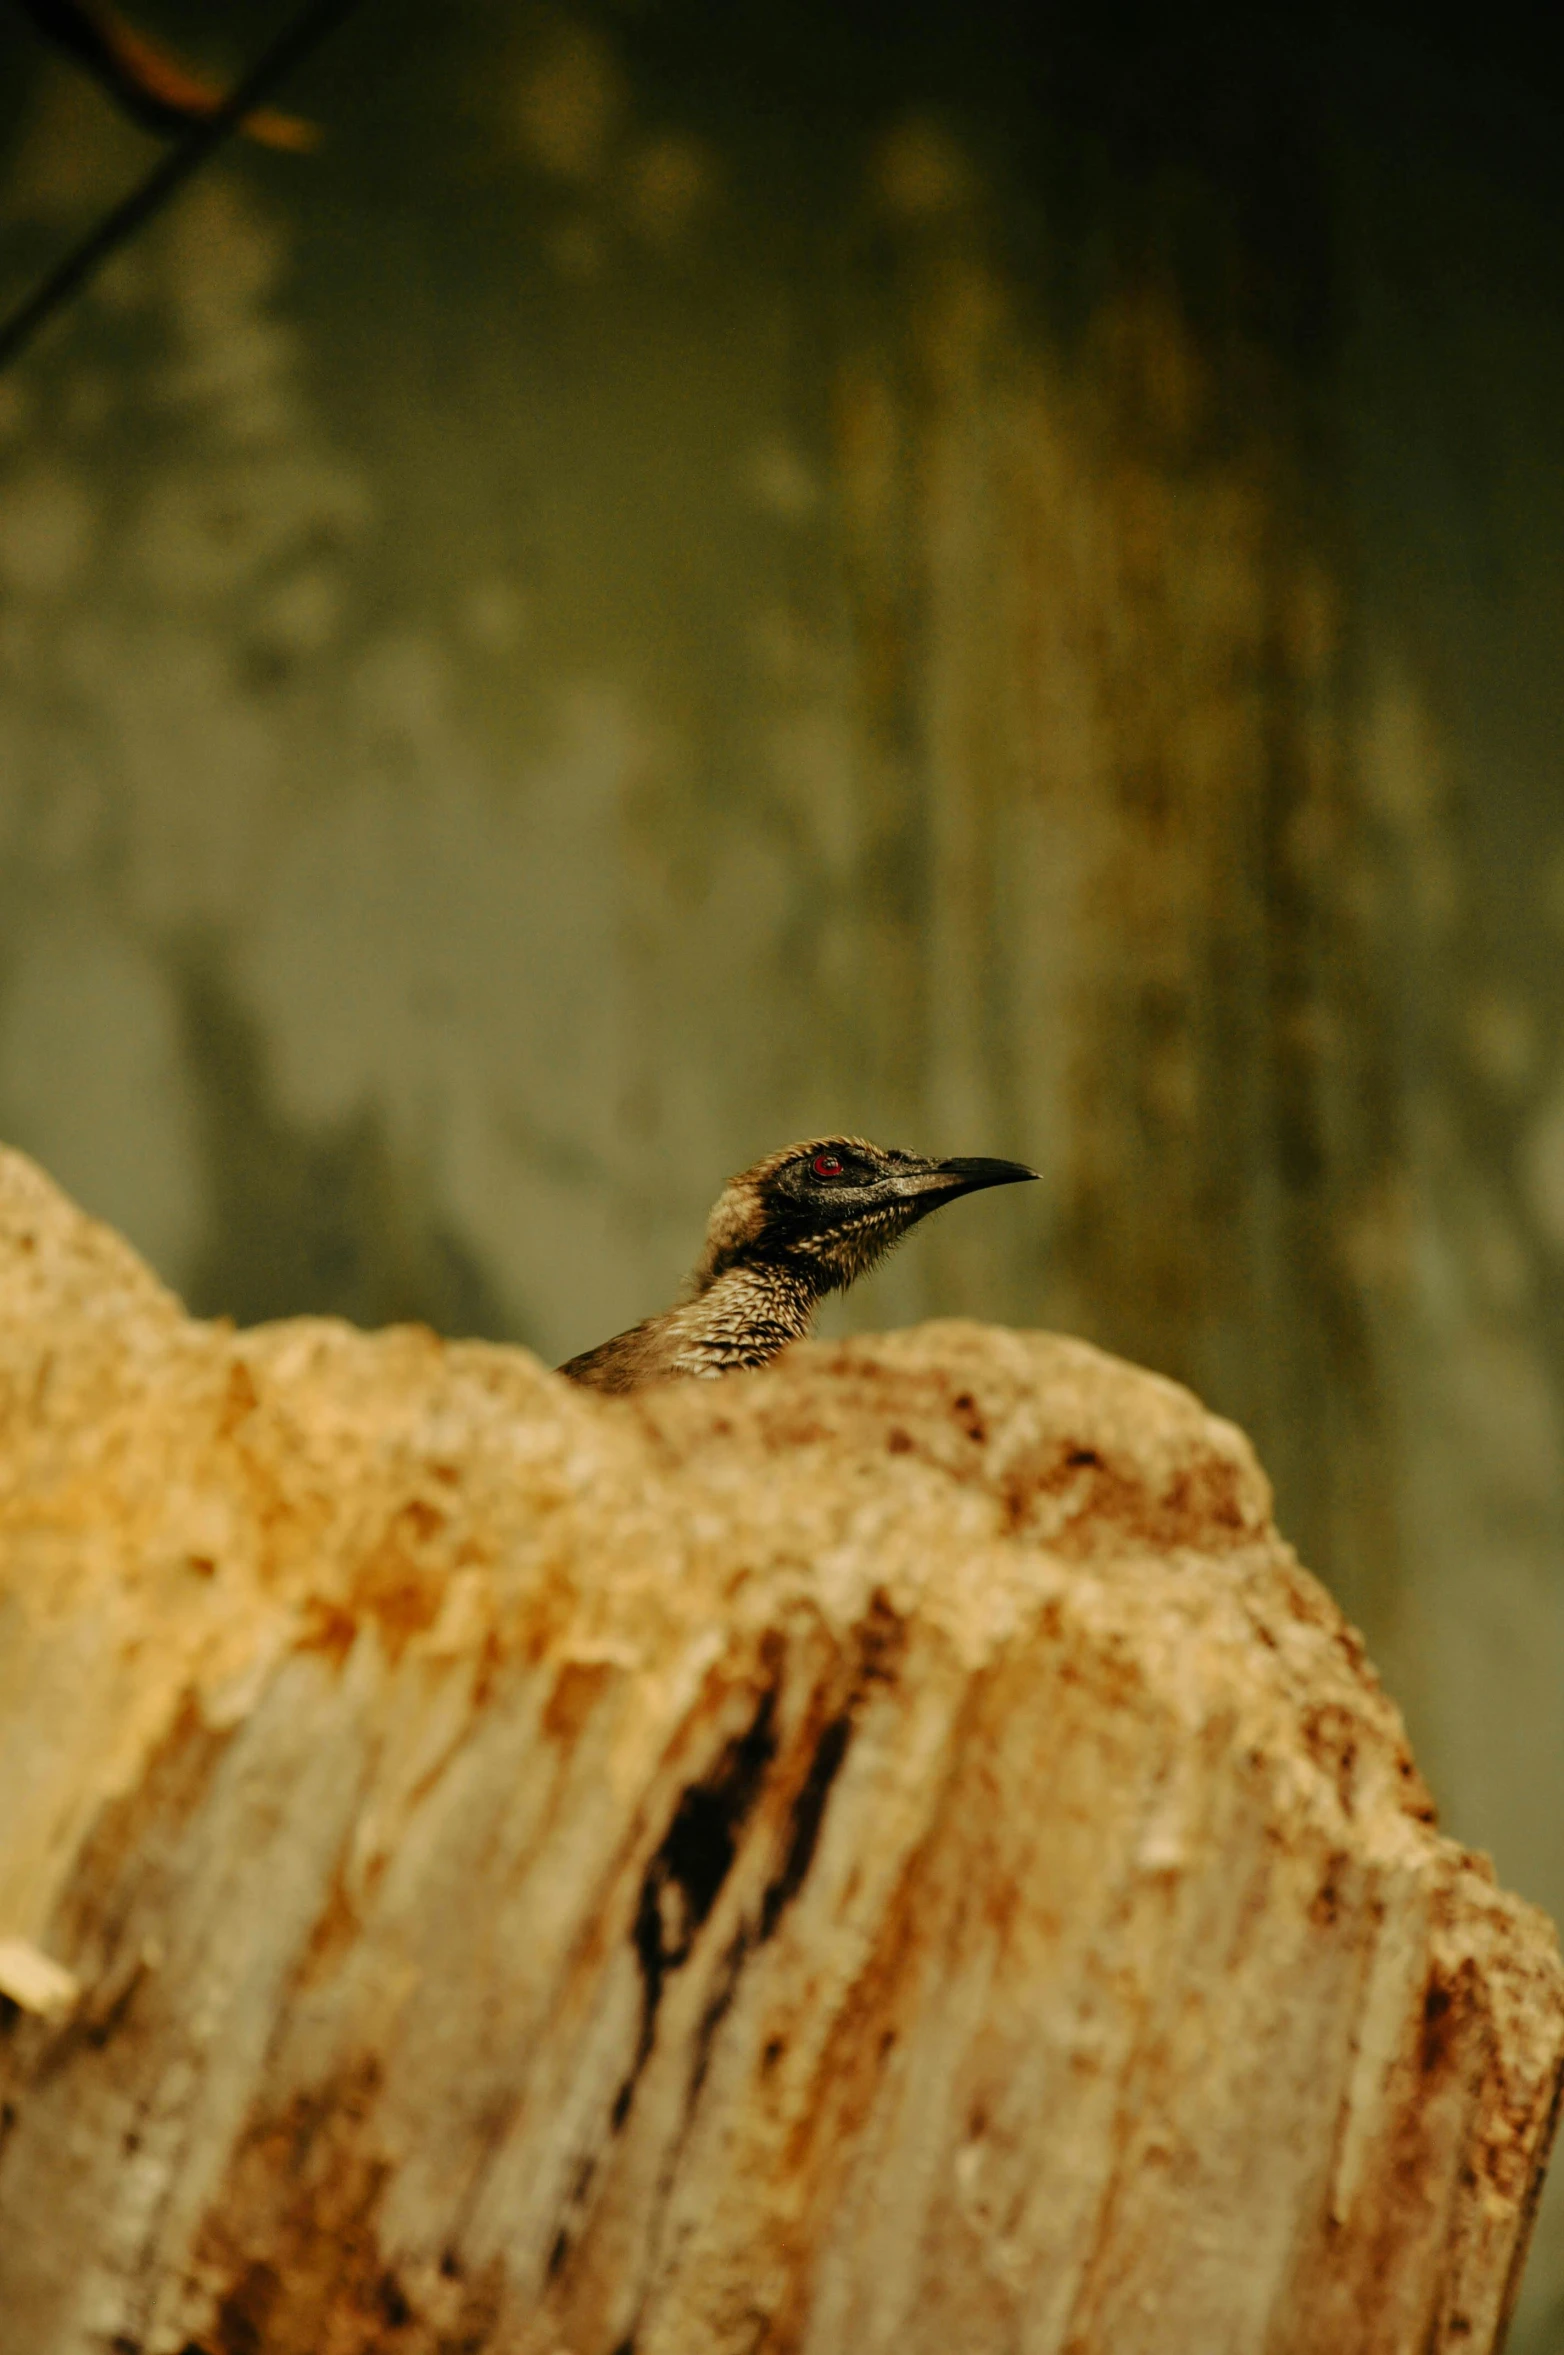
[[971, 1176]]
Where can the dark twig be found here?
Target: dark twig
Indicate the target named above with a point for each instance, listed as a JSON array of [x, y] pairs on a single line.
[[81, 265]]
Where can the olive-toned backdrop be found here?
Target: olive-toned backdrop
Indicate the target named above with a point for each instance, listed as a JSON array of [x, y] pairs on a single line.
[[699, 574]]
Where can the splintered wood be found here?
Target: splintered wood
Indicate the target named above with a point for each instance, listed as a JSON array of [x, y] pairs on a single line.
[[888, 1853]]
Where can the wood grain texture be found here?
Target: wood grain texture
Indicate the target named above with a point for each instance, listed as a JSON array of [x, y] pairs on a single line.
[[887, 1853]]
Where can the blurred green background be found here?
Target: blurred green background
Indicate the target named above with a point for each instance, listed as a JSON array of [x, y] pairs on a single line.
[[705, 573]]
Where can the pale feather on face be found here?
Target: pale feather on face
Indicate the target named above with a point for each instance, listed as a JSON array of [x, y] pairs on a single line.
[[740, 1212], [846, 1252]]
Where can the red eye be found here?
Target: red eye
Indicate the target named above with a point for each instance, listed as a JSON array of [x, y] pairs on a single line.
[[826, 1165]]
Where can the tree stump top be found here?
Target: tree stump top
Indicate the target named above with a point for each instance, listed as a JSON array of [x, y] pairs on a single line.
[[890, 1852]]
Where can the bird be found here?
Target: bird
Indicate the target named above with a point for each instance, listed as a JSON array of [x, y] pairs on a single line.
[[803, 1223]]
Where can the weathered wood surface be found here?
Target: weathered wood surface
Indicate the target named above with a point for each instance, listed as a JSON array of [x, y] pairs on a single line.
[[887, 1854]]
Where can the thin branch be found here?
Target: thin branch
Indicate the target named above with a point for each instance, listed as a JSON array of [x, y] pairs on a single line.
[[80, 266], [154, 87]]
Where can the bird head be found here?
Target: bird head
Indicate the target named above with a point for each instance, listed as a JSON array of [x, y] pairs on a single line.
[[827, 1210]]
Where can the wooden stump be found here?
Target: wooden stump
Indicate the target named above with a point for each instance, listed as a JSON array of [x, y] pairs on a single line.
[[890, 1853]]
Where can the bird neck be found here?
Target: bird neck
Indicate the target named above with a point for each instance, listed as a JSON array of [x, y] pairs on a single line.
[[749, 1313]]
